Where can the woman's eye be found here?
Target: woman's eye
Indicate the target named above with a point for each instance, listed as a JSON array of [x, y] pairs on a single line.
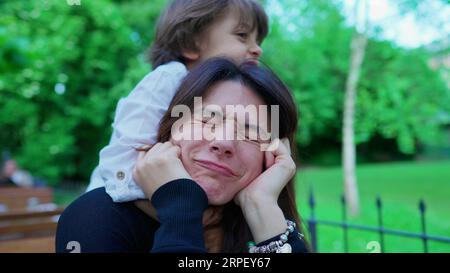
[[206, 121], [210, 121], [251, 138]]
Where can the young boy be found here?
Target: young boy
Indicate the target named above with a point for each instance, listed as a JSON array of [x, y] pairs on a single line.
[[187, 33]]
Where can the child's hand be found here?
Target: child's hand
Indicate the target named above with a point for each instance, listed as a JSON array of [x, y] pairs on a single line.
[[280, 168], [159, 165]]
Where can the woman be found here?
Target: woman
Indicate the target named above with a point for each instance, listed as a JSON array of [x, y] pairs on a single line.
[[211, 193]]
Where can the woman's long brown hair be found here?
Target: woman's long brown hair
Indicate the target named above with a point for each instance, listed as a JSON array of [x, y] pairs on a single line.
[[272, 90]]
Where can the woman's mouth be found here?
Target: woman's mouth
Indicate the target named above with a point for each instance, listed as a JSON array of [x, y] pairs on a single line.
[[222, 169]]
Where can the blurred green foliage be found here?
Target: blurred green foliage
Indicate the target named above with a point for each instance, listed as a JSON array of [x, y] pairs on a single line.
[[63, 68], [399, 96]]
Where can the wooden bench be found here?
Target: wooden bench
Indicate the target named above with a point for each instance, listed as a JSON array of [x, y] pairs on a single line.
[[29, 245], [31, 231], [12, 198]]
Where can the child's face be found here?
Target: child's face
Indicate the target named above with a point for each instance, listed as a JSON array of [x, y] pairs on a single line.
[[224, 38]]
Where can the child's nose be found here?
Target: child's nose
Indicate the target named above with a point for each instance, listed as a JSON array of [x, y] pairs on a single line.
[[256, 51]]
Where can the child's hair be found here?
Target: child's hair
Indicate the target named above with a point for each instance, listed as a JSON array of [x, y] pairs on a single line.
[[184, 21]]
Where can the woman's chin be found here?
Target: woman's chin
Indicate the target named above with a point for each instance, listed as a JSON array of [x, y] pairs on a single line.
[[214, 192]]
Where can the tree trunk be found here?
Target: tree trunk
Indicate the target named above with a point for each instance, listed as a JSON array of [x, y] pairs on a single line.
[[358, 48]]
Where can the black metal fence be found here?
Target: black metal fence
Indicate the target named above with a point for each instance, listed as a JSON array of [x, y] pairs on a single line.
[[313, 222]]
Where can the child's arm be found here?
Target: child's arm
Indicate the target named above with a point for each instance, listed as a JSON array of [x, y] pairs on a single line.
[[136, 123]]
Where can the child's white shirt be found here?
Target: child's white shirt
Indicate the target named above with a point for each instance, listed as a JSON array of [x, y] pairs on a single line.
[[136, 123]]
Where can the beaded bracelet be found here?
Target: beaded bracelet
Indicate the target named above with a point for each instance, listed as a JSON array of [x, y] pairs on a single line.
[[278, 246]]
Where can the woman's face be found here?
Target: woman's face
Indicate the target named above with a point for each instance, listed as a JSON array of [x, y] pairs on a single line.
[[220, 164]]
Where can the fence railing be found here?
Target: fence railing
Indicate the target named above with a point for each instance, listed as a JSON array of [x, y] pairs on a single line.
[[313, 222]]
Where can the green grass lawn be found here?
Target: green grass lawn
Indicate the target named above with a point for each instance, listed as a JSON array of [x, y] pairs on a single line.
[[400, 185]]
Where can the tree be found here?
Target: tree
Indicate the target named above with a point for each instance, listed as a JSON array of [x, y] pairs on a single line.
[[62, 69], [400, 98], [358, 48]]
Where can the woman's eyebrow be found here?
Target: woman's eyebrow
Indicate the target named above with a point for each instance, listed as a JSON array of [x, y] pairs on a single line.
[[219, 114], [216, 113]]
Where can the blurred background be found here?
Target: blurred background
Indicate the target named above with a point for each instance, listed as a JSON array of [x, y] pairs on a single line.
[[374, 73]]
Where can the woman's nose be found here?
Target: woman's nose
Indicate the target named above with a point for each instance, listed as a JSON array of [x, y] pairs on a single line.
[[222, 147]]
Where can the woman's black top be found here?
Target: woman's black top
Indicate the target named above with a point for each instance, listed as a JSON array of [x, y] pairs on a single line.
[[95, 223]]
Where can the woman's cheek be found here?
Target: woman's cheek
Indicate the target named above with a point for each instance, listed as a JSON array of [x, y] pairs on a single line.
[[253, 170], [254, 161]]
